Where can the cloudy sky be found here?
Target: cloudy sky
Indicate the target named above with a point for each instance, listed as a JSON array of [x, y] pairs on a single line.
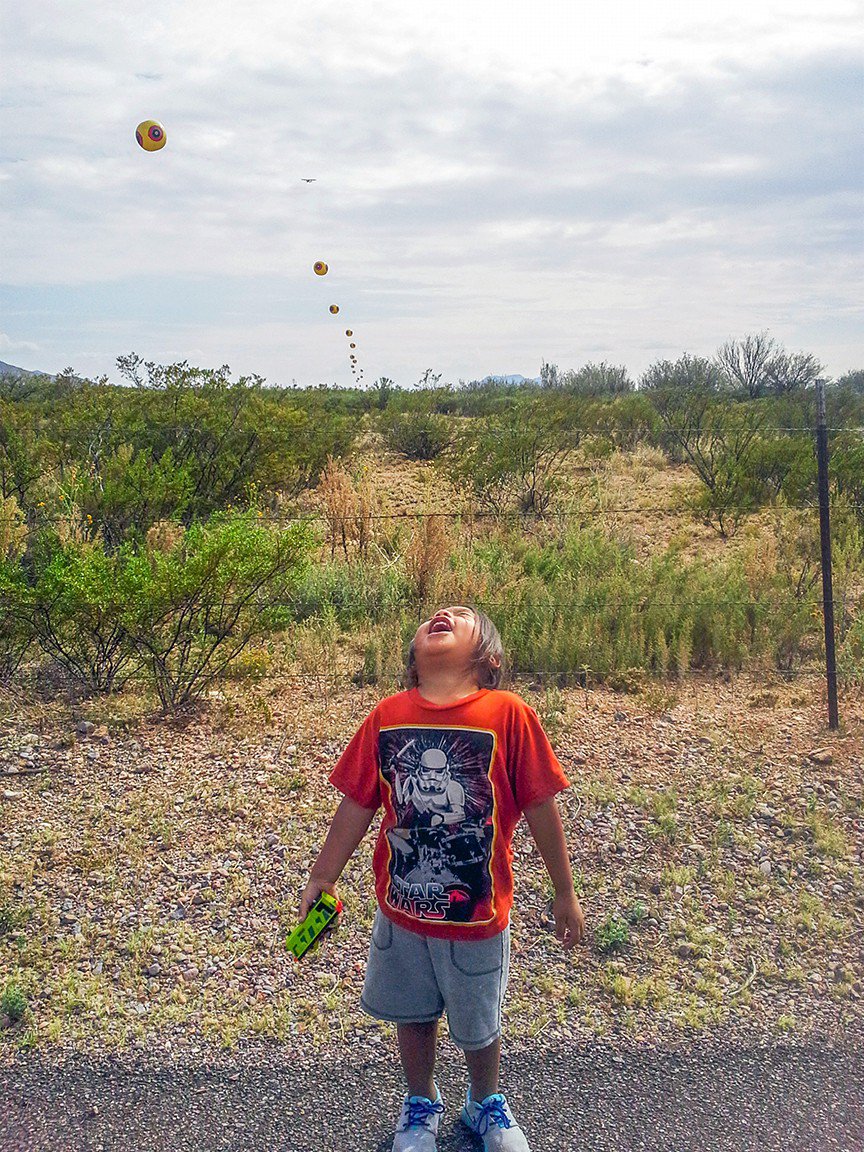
[[497, 182]]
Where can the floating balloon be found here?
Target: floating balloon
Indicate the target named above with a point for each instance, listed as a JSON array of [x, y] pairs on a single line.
[[352, 345], [348, 332], [320, 268], [150, 135], [334, 308]]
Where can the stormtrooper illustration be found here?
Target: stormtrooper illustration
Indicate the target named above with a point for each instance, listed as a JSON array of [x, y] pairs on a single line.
[[432, 789]]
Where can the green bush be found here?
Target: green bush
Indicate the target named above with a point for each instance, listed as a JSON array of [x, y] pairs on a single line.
[[195, 607], [613, 935], [13, 1003], [16, 633], [415, 435], [513, 460], [78, 614]]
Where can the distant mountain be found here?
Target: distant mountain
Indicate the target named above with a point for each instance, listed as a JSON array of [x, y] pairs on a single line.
[[515, 379], [13, 370]]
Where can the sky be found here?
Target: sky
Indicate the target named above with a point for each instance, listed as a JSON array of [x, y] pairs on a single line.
[[496, 184]]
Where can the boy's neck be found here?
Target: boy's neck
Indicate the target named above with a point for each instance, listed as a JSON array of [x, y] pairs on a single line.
[[446, 690]]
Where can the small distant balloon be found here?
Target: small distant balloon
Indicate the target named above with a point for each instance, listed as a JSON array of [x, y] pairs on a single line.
[[348, 332], [150, 135], [334, 309], [352, 345], [320, 268]]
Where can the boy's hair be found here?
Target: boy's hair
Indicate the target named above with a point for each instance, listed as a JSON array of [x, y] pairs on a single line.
[[487, 648]]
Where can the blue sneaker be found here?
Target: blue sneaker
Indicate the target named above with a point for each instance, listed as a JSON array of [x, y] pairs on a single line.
[[418, 1124], [493, 1121]]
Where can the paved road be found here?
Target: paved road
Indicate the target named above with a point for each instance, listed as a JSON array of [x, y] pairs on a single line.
[[708, 1097]]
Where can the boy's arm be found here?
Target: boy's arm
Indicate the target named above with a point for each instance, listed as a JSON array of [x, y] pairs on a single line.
[[544, 820], [349, 825]]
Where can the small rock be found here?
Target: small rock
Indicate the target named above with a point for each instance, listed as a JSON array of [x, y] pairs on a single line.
[[765, 867], [154, 969], [8, 794], [85, 727], [620, 716], [686, 951], [820, 756]]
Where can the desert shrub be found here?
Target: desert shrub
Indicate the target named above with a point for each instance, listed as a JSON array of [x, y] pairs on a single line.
[[356, 592], [686, 374], [626, 421], [194, 608], [352, 509], [415, 435], [78, 614], [16, 633], [784, 465], [847, 468], [718, 441], [425, 556], [512, 461], [130, 491]]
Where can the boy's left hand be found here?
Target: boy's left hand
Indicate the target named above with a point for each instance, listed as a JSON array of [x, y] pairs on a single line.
[[569, 919]]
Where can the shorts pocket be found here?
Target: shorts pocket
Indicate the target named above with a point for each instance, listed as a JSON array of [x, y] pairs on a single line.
[[382, 932], [477, 957]]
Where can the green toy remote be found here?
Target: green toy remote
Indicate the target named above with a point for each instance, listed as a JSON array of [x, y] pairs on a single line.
[[325, 909]]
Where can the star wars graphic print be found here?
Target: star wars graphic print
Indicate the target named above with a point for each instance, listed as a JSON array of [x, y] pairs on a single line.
[[441, 845]]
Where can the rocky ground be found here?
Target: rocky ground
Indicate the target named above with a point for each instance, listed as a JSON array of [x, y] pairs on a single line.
[[151, 869]]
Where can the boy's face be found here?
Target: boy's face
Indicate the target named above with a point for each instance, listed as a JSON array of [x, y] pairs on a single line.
[[449, 636]]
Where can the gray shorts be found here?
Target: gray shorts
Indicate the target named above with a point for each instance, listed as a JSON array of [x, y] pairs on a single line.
[[412, 979]]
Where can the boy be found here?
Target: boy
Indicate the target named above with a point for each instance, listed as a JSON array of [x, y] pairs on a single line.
[[454, 761]]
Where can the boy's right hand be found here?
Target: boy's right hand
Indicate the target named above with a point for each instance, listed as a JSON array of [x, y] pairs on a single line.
[[311, 892]]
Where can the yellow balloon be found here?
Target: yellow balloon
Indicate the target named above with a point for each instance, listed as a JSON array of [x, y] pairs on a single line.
[[150, 135], [334, 308], [320, 268], [348, 332]]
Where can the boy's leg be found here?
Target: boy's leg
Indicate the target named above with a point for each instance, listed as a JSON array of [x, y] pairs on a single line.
[[417, 1049], [483, 1065]]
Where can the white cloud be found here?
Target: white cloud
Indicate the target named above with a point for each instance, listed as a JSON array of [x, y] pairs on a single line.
[[492, 180]]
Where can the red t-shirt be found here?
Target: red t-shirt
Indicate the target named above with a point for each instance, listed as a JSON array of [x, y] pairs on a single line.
[[454, 780]]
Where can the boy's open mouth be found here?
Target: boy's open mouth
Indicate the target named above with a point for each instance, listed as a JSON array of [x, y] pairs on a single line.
[[439, 626]]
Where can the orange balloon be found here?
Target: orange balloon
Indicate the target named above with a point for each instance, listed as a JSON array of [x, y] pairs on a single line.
[[320, 268]]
